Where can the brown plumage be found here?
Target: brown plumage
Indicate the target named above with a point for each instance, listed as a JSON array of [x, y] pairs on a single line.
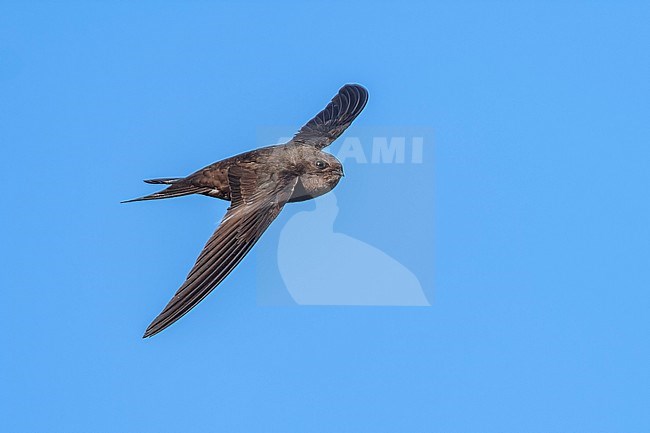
[[258, 184]]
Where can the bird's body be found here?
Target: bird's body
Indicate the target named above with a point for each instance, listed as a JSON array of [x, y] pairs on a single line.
[[279, 160], [258, 184]]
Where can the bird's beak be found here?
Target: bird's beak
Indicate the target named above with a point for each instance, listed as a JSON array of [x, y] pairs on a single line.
[[340, 172]]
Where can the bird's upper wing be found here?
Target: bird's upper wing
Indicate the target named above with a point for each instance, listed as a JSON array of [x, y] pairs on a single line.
[[255, 204], [330, 123]]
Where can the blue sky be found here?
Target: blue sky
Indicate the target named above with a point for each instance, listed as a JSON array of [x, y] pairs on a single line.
[[528, 226]]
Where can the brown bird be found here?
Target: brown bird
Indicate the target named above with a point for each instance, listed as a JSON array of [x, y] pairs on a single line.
[[258, 184]]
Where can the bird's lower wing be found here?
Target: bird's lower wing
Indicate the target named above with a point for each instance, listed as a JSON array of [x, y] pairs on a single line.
[[248, 217]]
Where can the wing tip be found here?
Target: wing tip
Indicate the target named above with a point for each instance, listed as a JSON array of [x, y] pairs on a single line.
[[152, 329], [361, 91], [355, 86], [355, 97]]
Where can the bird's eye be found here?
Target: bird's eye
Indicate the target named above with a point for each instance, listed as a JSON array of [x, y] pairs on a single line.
[[321, 164]]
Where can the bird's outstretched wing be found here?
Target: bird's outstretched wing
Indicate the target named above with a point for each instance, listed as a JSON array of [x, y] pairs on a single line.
[[330, 123], [255, 204]]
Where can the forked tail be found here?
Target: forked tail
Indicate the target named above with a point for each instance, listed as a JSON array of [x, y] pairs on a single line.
[[177, 188], [164, 180]]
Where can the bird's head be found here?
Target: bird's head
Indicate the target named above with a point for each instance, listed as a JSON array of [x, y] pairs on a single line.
[[325, 165], [319, 172]]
